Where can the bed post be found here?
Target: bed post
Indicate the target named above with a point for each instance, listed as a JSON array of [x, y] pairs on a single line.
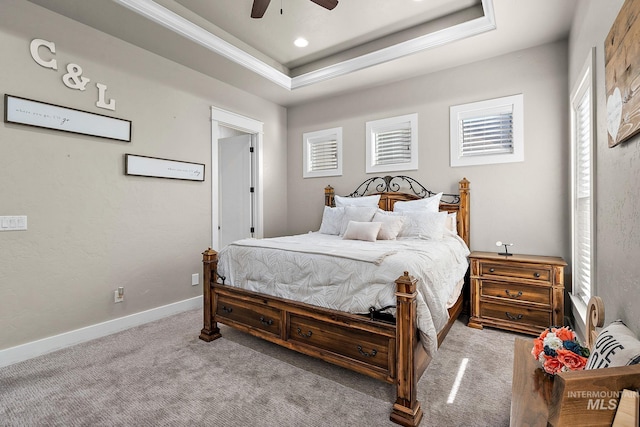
[[463, 216], [329, 194], [406, 410], [210, 330]]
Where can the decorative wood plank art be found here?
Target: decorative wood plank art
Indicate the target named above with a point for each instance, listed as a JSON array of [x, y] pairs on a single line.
[[622, 74]]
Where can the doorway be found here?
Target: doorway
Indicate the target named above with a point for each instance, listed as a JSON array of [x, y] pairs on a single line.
[[236, 188]]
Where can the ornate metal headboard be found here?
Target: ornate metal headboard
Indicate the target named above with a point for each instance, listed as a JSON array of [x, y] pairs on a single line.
[[400, 187]]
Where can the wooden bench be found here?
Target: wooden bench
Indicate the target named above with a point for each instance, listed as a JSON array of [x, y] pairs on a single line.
[[575, 398]]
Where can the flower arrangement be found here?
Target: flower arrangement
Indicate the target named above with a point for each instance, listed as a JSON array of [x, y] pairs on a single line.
[[558, 350]]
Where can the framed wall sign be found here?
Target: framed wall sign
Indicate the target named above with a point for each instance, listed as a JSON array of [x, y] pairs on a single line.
[[622, 73], [163, 168], [44, 115]]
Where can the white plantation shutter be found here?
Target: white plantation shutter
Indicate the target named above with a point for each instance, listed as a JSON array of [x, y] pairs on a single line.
[[582, 123], [322, 153], [392, 144], [483, 135], [487, 132]]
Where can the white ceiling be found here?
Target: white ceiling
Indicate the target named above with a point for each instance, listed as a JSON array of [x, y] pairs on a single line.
[[359, 44]]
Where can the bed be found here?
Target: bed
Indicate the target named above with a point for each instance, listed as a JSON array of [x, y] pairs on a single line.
[[387, 341]]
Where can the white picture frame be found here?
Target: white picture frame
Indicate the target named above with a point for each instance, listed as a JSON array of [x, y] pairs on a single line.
[[163, 168], [50, 116]]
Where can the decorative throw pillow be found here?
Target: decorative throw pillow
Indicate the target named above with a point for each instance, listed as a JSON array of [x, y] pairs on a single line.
[[429, 204], [370, 201], [367, 231], [358, 214], [331, 220], [391, 225], [616, 345], [424, 225]]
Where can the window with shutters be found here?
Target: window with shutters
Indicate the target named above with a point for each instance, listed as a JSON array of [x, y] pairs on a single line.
[[322, 153], [392, 144], [487, 132], [582, 140]]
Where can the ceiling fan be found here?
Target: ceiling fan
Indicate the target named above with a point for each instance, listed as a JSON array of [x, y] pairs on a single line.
[[260, 6]]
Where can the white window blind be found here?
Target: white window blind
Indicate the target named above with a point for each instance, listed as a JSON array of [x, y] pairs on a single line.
[[392, 144], [582, 141], [322, 153], [487, 132]]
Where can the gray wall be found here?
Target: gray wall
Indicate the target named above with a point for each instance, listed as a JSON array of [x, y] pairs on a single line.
[[617, 175], [525, 203], [90, 227]]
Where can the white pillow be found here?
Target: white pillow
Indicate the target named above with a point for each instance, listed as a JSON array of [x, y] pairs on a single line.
[[424, 225], [367, 231], [452, 222], [358, 214], [429, 204], [391, 225], [616, 345], [342, 201], [331, 220]]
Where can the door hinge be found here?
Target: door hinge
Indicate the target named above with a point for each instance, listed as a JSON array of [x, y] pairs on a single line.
[[252, 189], [253, 230], [251, 149]]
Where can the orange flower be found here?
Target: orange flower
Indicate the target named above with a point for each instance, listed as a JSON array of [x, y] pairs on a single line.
[[564, 333], [552, 365], [538, 346], [572, 361]]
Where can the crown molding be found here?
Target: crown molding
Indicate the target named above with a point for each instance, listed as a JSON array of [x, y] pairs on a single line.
[[174, 22]]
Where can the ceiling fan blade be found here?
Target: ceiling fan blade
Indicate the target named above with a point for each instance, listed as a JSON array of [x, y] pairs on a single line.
[[327, 4], [259, 8]]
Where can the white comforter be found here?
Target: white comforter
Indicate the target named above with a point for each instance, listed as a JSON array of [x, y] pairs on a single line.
[[355, 276]]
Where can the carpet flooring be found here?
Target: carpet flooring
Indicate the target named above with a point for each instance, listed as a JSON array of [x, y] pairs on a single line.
[[161, 374]]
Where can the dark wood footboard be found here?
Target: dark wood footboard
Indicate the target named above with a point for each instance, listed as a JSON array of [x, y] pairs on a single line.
[[382, 350]]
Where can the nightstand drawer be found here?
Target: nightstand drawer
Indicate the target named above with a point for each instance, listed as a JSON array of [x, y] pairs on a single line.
[[516, 314], [516, 271], [516, 292]]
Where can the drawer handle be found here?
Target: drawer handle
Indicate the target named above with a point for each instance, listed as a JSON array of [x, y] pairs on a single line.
[[265, 321], [372, 354], [491, 270], [227, 309], [307, 335], [512, 317], [536, 274], [518, 295]]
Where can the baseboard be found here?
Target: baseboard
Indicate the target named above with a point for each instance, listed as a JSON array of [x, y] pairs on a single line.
[[32, 349]]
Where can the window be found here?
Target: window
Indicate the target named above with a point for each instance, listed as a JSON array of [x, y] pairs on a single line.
[[487, 132], [322, 153], [582, 136], [392, 144]]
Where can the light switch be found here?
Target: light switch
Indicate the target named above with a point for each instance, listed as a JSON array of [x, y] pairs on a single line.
[[13, 223]]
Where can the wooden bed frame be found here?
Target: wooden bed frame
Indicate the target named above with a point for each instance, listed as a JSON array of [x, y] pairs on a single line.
[[388, 351]]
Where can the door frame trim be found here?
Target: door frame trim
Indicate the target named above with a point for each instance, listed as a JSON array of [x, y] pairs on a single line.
[[225, 118]]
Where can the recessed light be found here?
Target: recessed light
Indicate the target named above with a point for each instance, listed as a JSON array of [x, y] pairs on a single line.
[[301, 42]]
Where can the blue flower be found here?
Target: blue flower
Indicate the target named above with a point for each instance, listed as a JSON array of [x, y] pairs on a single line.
[[549, 351], [572, 346]]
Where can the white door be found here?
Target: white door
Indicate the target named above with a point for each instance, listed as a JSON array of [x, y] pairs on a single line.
[[236, 189]]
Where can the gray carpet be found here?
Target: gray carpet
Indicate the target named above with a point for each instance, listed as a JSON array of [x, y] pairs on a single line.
[[161, 374]]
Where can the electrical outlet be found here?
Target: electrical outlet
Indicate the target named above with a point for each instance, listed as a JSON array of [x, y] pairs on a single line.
[[195, 279], [118, 295]]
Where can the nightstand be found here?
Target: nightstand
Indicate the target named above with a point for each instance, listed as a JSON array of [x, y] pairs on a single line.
[[521, 293]]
